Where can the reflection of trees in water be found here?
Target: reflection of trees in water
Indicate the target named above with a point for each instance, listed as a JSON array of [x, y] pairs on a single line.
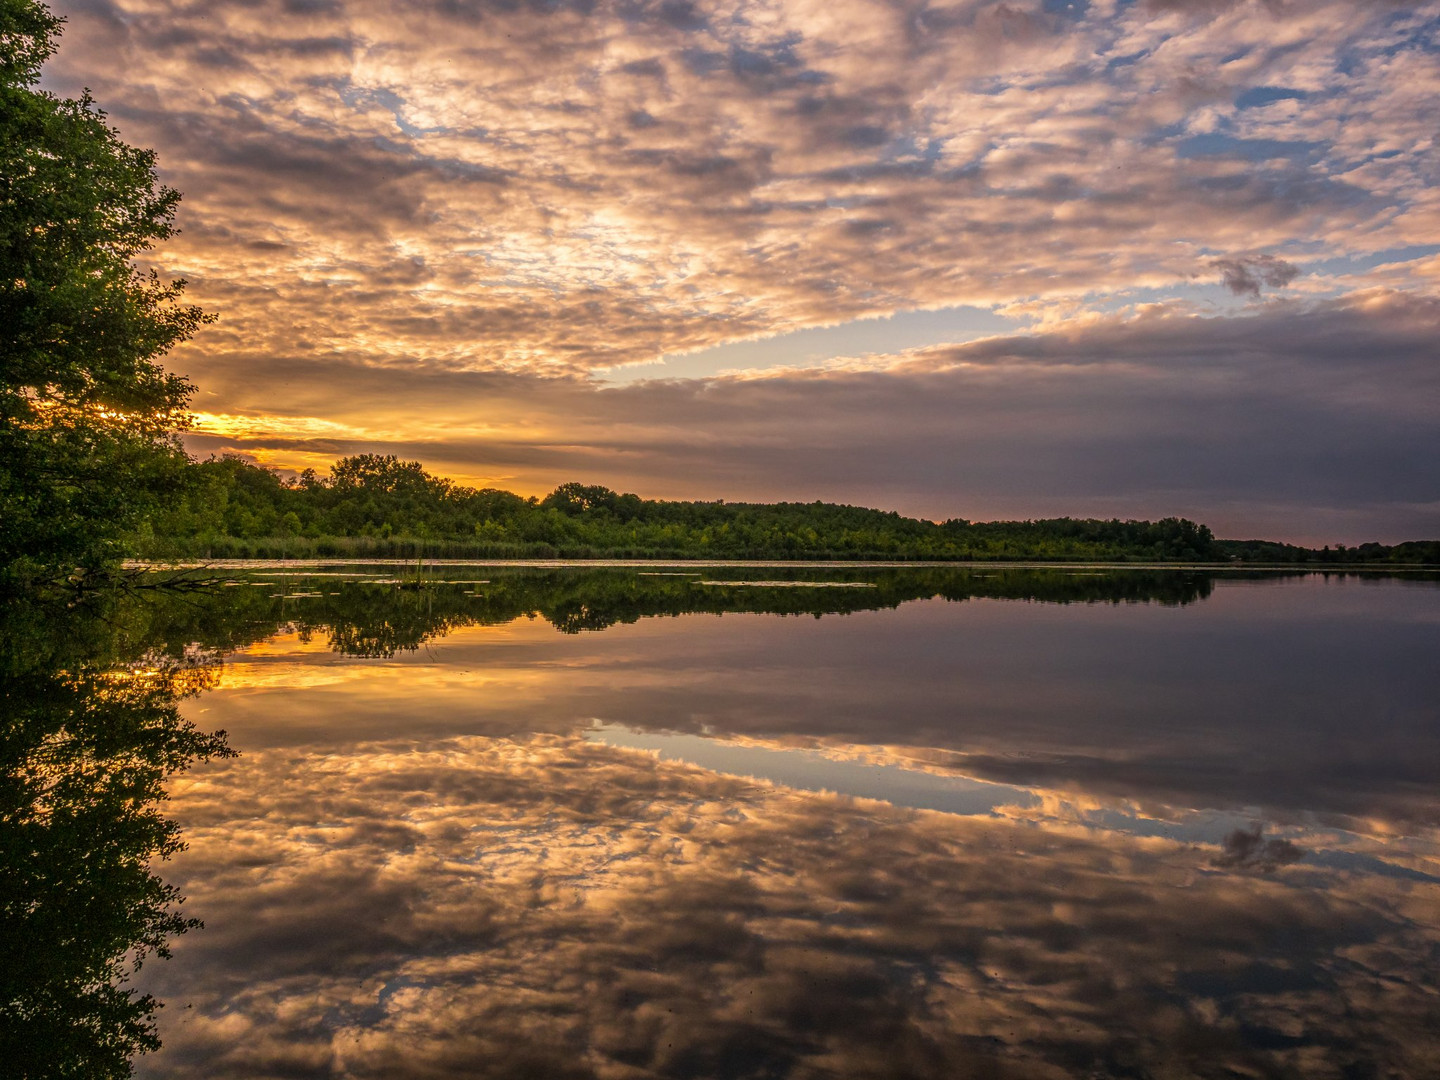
[[599, 599], [379, 620], [91, 734]]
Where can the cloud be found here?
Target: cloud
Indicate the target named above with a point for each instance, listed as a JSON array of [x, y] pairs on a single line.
[[579, 185], [425, 226], [1243, 277], [1301, 421]]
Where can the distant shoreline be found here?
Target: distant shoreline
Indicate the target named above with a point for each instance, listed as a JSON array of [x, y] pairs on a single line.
[[374, 508], [779, 564]]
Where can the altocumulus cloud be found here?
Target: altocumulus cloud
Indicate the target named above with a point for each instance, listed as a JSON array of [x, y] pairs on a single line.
[[431, 195]]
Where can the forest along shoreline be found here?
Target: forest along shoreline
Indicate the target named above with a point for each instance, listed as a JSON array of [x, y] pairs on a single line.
[[379, 507]]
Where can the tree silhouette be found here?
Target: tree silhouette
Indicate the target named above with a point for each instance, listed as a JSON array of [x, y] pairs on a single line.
[[91, 735], [87, 415]]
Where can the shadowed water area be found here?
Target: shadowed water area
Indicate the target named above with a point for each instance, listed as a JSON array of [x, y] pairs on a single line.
[[729, 821]]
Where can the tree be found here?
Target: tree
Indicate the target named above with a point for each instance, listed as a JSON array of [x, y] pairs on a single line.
[[576, 499], [385, 474], [87, 415]]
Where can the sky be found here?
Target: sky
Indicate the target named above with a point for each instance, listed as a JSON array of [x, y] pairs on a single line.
[[1126, 258]]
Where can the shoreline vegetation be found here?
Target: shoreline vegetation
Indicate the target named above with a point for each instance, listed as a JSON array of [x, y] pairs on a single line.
[[380, 507]]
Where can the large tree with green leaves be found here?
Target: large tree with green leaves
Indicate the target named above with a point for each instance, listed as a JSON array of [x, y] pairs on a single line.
[[87, 414]]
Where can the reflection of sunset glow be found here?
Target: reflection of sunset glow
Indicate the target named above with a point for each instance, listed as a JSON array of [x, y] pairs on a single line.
[[285, 643], [185, 681], [977, 685], [954, 835], [296, 660]]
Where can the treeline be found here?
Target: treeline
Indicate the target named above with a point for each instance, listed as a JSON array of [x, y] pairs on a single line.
[[379, 506], [373, 506], [1410, 553]]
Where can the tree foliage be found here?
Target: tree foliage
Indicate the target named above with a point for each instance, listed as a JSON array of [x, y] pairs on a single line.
[[87, 414], [384, 506], [374, 505]]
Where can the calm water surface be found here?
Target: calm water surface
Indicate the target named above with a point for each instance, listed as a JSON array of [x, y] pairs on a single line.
[[830, 822]]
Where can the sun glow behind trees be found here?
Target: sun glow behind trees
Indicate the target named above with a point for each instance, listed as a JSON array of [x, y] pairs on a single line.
[[379, 505], [87, 415]]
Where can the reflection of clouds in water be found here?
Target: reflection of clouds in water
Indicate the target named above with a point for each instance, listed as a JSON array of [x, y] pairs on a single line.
[[1249, 849], [557, 907], [1056, 698], [933, 779], [1091, 790]]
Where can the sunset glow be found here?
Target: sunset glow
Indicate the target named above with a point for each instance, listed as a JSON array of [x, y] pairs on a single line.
[[1128, 258]]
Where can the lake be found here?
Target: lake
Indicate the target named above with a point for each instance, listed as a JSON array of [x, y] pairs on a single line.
[[750, 821]]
